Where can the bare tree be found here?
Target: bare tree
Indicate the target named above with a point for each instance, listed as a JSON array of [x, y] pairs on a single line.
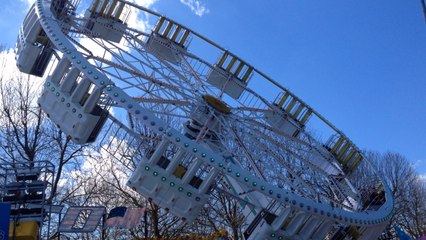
[[26, 135], [407, 188], [223, 213], [22, 132]]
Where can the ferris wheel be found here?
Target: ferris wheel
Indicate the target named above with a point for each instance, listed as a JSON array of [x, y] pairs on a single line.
[[218, 122]]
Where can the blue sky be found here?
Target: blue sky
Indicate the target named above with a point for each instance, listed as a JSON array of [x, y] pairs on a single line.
[[361, 64]]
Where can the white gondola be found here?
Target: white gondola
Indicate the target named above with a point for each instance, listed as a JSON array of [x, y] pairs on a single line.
[[106, 19], [33, 47], [71, 102]]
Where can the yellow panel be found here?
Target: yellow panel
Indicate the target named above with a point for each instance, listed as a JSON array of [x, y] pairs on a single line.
[[306, 116], [176, 33], [247, 74], [283, 99], [179, 171], [343, 150], [94, 5], [354, 232], [231, 64], [111, 8], [239, 68], [338, 143], [222, 59], [355, 164], [298, 110], [24, 231], [349, 156], [159, 24], [184, 37], [101, 12], [290, 105], [119, 11], [167, 30]]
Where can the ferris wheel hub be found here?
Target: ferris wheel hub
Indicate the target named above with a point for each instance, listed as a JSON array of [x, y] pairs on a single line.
[[217, 104]]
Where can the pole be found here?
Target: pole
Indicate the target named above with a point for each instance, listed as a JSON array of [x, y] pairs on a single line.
[[145, 219]]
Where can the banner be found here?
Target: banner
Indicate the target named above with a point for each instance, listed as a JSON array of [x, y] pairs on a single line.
[[81, 219], [123, 217], [4, 220]]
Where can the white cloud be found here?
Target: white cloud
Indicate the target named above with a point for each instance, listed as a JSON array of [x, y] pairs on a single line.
[[144, 3], [28, 3], [8, 64], [8, 69], [196, 7]]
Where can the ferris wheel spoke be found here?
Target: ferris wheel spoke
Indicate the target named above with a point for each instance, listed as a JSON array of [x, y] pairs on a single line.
[[288, 167]]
